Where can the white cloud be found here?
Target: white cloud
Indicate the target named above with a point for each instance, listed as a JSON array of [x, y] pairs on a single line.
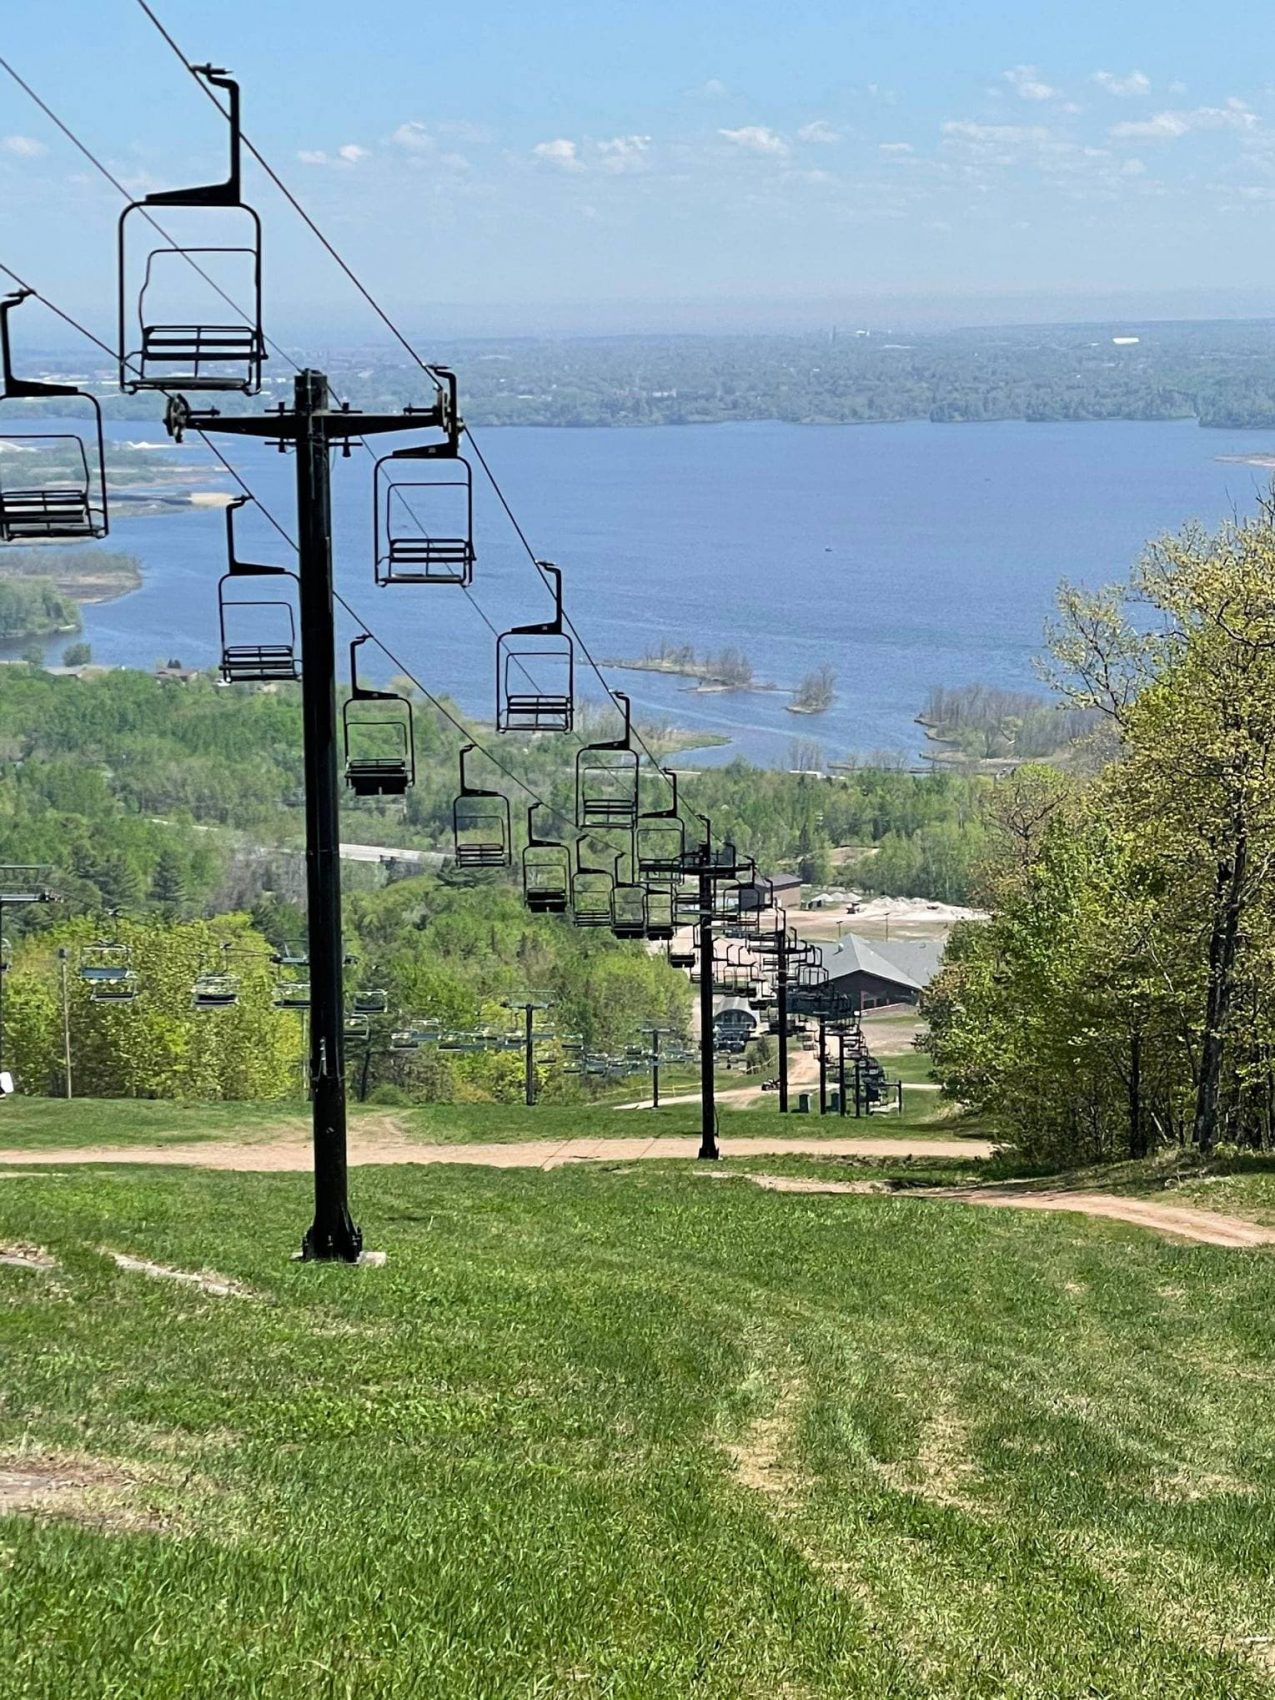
[[713, 89], [962, 131], [1169, 126], [560, 152], [26, 147], [819, 131], [897, 149], [1026, 83], [414, 137], [624, 153], [350, 153], [756, 138], [1135, 83]]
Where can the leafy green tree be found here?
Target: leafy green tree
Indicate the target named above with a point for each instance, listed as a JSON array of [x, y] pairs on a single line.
[[77, 655]]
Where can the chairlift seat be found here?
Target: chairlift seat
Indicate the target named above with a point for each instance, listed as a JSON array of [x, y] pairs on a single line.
[[55, 511], [377, 776], [536, 711], [681, 959], [193, 348], [259, 663]]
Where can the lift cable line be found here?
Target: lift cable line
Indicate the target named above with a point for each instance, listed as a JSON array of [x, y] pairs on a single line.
[[247, 318], [433, 372], [466, 732], [441, 707], [253, 323], [424, 365]]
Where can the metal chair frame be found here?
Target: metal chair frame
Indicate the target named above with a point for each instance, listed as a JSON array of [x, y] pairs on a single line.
[[482, 835], [420, 557], [528, 708], [607, 779], [258, 663], [377, 775], [591, 894], [74, 512], [546, 872], [195, 346]]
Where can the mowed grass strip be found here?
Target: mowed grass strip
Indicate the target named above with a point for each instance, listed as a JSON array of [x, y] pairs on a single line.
[[629, 1434]]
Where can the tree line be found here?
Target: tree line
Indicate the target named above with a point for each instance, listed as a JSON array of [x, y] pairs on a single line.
[[1122, 998]]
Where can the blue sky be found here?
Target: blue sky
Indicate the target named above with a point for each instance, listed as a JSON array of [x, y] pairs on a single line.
[[503, 167]]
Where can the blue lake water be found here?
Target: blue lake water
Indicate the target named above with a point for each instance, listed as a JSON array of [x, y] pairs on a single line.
[[904, 555]]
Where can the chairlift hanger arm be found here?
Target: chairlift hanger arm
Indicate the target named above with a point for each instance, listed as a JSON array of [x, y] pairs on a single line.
[[336, 424]]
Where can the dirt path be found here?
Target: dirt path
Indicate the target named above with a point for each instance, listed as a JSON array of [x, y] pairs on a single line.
[[1204, 1227], [385, 1146], [1201, 1227]]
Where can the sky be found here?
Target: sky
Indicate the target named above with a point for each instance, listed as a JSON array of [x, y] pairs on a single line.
[[648, 165]]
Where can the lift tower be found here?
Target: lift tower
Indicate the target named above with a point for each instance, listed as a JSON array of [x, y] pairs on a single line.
[[313, 428]]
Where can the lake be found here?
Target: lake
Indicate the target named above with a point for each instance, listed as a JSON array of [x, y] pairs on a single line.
[[904, 555]]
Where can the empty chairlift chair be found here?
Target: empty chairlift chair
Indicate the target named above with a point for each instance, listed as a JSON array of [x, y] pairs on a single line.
[[607, 780], [628, 906], [546, 872], [480, 824], [258, 634], [191, 350], [660, 924], [52, 483], [591, 893], [371, 1000], [215, 991], [107, 970], [423, 524], [661, 837], [535, 672], [380, 747]]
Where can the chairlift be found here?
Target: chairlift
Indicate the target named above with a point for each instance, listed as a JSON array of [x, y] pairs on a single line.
[[215, 991], [681, 958], [661, 836], [370, 1001], [293, 953], [56, 491], [272, 658], [292, 994], [480, 825], [107, 969], [356, 1027], [405, 1039], [380, 746], [546, 872], [591, 894], [628, 906], [193, 356], [523, 704], [439, 547], [660, 923], [607, 779]]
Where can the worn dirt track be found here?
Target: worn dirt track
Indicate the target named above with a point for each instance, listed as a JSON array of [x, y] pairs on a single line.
[[384, 1147], [1204, 1227], [1178, 1222]]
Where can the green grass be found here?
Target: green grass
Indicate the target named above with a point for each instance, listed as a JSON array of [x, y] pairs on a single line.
[[33, 1122], [981, 1453], [49, 1123]]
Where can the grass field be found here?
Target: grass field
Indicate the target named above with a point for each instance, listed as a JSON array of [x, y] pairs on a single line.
[[49, 1122], [636, 1432]]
